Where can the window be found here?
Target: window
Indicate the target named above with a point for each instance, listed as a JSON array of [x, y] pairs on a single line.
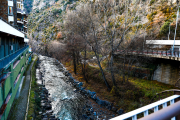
[[10, 11], [18, 5]]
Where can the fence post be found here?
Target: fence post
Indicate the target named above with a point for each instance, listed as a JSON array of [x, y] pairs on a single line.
[[177, 93]]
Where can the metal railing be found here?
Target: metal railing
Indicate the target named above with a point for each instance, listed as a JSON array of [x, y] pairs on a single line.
[[7, 60], [166, 113], [145, 109], [151, 52]]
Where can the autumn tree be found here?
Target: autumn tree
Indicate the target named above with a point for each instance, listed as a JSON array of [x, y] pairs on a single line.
[[106, 26]]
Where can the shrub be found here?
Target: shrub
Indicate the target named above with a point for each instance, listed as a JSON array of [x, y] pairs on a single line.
[[151, 2], [59, 35], [165, 28], [151, 16]]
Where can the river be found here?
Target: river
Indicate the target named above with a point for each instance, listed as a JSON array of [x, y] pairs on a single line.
[[67, 103]]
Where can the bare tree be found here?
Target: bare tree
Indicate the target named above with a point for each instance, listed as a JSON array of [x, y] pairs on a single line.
[[106, 25], [82, 22], [57, 50]]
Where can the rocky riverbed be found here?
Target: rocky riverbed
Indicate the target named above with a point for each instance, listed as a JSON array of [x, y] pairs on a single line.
[[64, 98]]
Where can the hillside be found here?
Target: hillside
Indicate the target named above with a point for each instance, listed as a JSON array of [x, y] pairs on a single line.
[[92, 37], [46, 18]]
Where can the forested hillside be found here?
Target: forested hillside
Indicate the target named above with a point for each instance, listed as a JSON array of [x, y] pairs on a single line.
[[47, 17], [85, 35], [28, 4]]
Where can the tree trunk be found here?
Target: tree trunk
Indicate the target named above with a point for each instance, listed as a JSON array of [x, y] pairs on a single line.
[[84, 73], [112, 71], [74, 62], [84, 66], [102, 72], [124, 68]]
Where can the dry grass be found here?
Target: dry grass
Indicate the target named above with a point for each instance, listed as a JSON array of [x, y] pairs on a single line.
[[131, 95]]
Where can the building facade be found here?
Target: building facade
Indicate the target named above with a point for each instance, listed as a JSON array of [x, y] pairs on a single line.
[[4, 9], [21, 16], [14, 54], [13, 11]]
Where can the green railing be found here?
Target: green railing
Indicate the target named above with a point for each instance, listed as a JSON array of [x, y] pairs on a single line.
[[6, 61]]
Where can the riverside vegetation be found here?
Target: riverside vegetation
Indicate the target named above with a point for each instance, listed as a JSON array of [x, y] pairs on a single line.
[[85, 35]]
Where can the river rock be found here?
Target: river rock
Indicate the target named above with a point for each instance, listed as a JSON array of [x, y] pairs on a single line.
[[120, 111], [114, 109]]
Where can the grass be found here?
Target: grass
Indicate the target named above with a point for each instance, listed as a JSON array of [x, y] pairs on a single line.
[[90, 54], [34, 99], [131, 95], [25, 74], [13, 108]]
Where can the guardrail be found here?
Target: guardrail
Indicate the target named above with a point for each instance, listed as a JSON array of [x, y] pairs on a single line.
[[4, 62], [166, 113], [151, 52], [155, 106]]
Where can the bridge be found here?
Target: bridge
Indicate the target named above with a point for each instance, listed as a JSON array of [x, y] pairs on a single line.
[[164, 109], [168, 54]]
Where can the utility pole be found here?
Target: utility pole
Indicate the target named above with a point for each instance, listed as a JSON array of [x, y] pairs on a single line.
[[177, 1]]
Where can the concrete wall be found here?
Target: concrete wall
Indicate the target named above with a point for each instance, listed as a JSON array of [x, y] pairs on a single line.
[[167, 73]]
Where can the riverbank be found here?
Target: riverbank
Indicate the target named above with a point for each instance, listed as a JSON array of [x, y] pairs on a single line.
[[65, 98], [133, 94], [70, 97]]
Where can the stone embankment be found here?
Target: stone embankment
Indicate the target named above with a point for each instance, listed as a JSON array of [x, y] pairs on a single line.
[[63, 97]]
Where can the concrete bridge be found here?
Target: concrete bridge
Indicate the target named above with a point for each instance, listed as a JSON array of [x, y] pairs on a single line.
[[163, 109], [168, 54]]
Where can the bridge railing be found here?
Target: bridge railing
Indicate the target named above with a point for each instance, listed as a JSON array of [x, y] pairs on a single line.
[[152, 52], [145, 110]]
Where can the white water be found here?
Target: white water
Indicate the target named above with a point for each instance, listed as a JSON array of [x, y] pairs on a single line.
[[66, 104]]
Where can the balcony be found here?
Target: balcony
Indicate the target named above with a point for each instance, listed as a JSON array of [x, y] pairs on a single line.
[[19, 11], [19, 20], [6, 61], [25, 26], [25, 20]]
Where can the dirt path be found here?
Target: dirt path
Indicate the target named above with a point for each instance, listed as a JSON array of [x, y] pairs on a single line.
[[18, 110]]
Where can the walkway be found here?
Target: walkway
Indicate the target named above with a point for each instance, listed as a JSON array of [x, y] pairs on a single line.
[[18, 110], [152, 53]]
